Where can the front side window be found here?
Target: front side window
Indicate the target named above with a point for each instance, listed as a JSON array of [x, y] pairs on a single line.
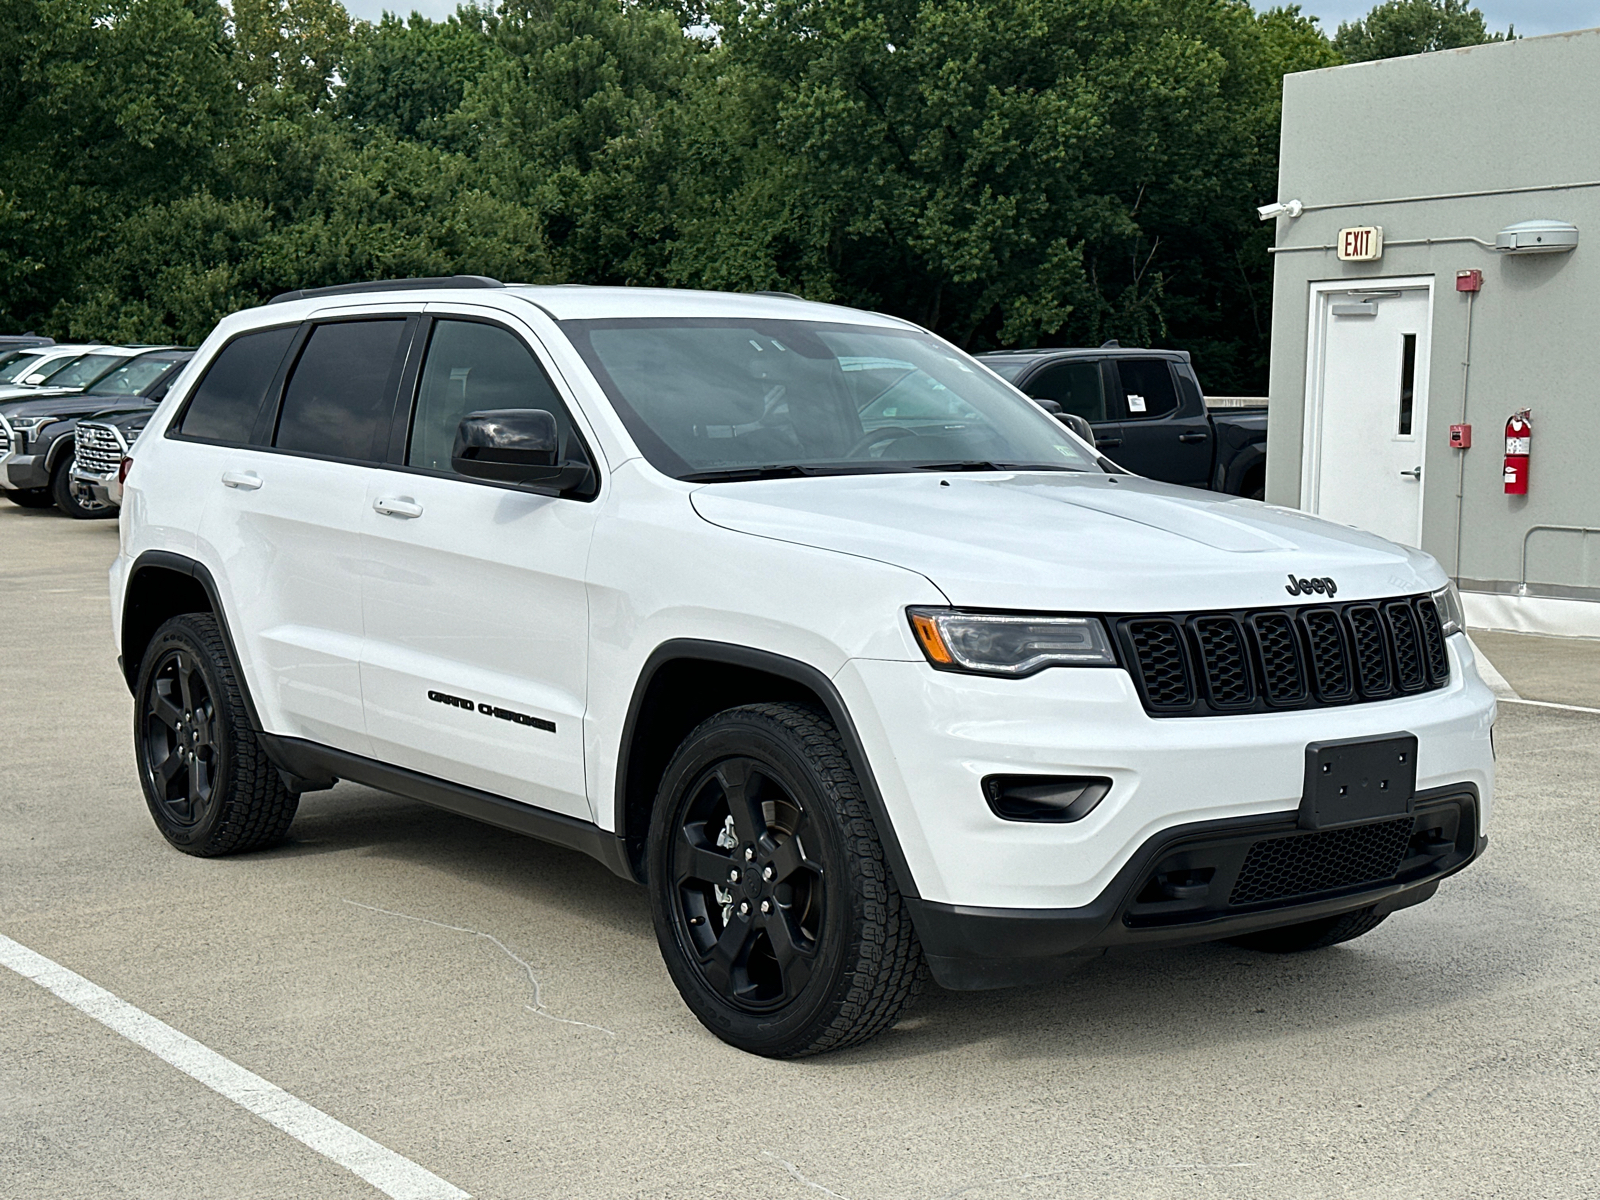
[[473, 367], [710, 397], [1147, 387], [339, 401], [1078, 387], [225, 406]]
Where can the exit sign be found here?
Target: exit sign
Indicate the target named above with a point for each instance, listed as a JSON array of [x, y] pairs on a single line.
[[1364, 243]]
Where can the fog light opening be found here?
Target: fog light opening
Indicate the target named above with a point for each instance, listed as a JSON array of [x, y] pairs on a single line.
[[1053, 799]]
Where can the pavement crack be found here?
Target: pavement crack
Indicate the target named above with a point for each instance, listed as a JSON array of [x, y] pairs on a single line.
[[537, 1008], [1050, 1174], [794, 1173]]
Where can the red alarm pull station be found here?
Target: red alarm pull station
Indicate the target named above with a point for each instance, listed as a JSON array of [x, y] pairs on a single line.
[[1461, 437], [1469, 281]]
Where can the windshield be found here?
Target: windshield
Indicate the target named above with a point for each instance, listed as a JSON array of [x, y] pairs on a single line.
[[735, 398], [83, 371], [18, 367], [132, 378]]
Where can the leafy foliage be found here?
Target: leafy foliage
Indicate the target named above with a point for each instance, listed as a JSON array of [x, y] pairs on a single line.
[[1398, 27], [1003, 171]]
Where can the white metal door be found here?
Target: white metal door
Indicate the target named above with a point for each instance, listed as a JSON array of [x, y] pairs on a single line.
[[1368, 407]]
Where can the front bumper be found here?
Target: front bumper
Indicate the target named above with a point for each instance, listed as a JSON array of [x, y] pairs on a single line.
[[930, 738], [103, 488], [1210, 881], [25, 472]]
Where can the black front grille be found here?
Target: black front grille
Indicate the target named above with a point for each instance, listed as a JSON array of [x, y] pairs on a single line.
[[1163, 663], [1212, 664], [1306, 863]]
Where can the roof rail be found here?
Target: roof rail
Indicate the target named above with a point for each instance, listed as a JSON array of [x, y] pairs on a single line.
[[389, 285], [779, 295]]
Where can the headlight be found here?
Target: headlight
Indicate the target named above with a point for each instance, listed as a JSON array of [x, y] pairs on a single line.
[[31, 425], [1448, 601], [991, 644]]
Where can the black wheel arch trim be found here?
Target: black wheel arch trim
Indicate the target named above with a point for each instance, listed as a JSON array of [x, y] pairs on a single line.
[[317, 766], [804, 674], [167, 560]]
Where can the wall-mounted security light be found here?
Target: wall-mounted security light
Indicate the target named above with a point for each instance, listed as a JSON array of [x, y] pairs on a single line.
[[1537, 237], [1287, 208]]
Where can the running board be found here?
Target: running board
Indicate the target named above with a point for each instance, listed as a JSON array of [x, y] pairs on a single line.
[[314, 767]]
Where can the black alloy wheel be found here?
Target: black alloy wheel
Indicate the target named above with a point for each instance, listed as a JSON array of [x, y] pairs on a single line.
[[207, 781], [777, 917], [179, 740], [748, 900]]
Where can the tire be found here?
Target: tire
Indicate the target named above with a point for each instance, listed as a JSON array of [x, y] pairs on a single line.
[[1312, 935], [67, 499], [223, 797], [31, 498], [834, 961]]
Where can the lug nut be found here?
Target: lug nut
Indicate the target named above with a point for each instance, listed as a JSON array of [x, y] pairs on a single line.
[[766, 873], [748, 854], [733, 876], [744, 908], [766, 906]]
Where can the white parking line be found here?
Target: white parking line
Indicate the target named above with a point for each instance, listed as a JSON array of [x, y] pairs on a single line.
[[385, 1170]]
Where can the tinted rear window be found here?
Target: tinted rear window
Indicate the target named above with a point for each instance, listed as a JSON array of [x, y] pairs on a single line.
[[225, 406], [1147, 387], [339, 402]]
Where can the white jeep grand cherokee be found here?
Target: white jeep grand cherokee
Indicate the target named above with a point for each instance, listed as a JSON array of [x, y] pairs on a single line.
[[846, 649]]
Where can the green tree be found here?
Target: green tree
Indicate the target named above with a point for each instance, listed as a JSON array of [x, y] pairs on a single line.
[[406, 77], [1398, 27]]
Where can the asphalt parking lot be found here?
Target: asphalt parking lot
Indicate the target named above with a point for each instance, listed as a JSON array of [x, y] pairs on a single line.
[[495, 1010]]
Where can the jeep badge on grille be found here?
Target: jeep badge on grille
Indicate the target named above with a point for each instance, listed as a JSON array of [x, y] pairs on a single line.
[[1324, 586]]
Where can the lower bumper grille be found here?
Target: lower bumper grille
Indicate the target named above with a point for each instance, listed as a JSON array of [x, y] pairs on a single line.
[[1307, 863]]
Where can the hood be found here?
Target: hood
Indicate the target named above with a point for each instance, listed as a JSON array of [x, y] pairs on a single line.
[[65, 404], [1070, 541]]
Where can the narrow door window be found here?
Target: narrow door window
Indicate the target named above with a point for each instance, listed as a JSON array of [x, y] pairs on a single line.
[[225, 406], [1408, 380]]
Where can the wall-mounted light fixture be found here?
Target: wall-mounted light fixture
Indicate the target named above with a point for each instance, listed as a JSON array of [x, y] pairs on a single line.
[[1287, 208], [1537, 237]]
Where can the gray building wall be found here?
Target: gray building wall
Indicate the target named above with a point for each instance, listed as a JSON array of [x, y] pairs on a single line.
[[1500, 119]]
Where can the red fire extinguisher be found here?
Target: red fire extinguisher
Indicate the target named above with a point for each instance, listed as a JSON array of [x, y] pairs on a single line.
[[1519, 438]]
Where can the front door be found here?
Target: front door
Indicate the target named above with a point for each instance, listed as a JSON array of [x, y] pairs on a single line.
[[475, 608], [1369, 408]]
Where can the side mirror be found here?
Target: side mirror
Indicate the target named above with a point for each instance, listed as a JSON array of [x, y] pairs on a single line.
[[519, 446], [1078, 426], [1050, 406]]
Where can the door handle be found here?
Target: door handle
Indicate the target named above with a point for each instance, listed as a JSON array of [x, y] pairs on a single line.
[[1193, 437], [245, 481], [1101, 442], [1415, 473], [397, 506]]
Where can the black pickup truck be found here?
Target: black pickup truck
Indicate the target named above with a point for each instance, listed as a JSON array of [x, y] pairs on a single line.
[[1148, 413]]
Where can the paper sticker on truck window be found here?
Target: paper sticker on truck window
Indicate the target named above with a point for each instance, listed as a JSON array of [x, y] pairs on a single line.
[[1135, 402]]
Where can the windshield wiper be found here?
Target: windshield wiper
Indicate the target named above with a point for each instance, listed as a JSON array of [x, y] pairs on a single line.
[[971, 465], [730, 474]]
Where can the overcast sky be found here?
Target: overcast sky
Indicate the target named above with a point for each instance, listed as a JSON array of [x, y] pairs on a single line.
[[1531, 17]]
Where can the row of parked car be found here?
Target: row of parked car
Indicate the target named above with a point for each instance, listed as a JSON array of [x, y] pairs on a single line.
[[68, 414]]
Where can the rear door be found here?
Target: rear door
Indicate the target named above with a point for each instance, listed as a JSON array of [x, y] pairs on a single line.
[[1165, 435], [476, 610], [284, 521]]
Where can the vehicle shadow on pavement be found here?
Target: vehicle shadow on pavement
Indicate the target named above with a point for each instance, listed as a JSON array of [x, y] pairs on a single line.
[[1128, 1004]]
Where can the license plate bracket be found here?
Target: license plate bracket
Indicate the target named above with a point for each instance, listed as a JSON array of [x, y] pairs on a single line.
[[1359, 779]]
